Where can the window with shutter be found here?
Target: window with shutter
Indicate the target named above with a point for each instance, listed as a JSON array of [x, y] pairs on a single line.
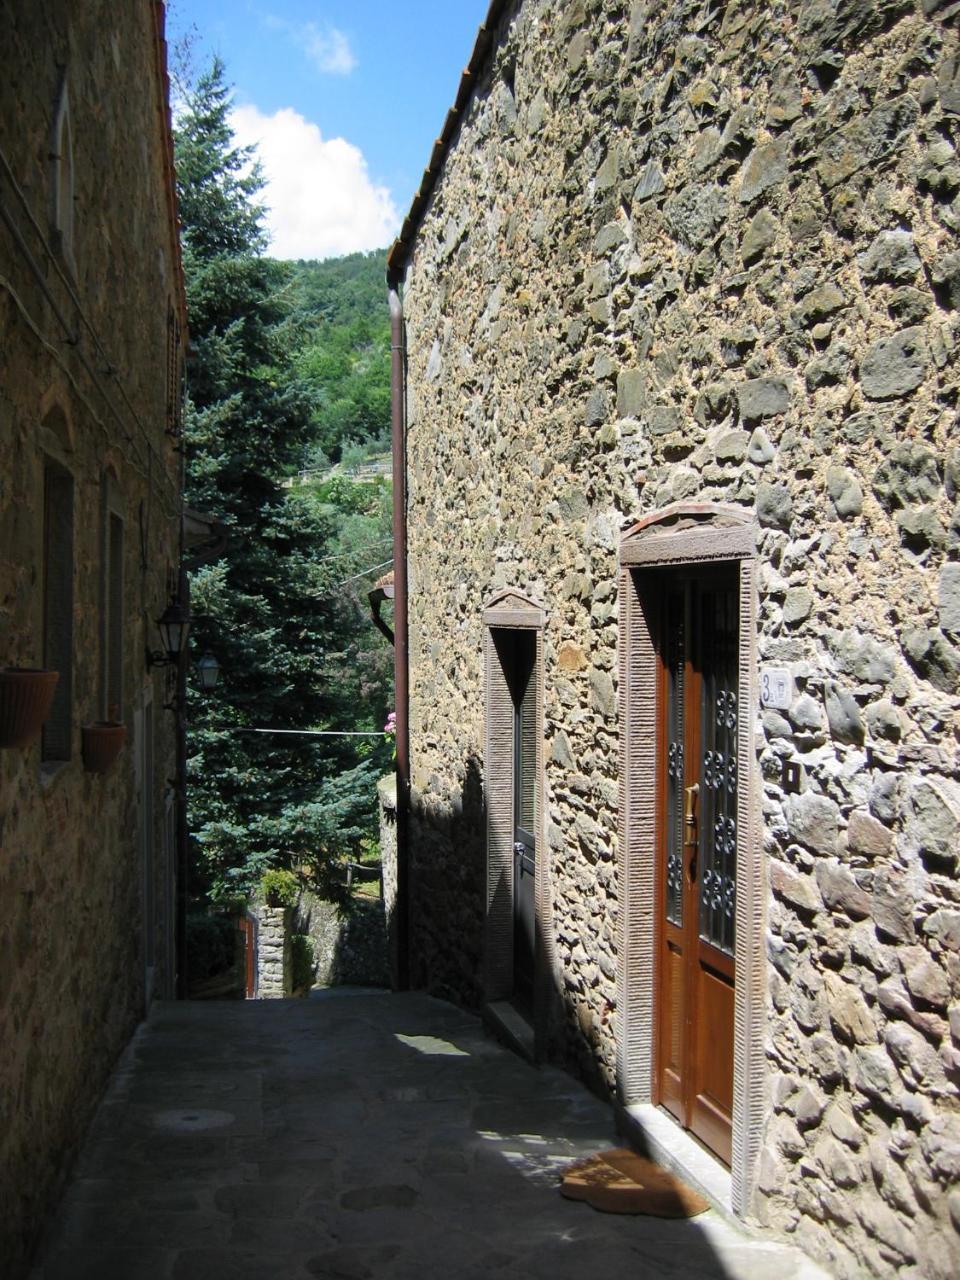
[[62, 175], [111, 619], [175, 384], [516, 928], [58, 607]]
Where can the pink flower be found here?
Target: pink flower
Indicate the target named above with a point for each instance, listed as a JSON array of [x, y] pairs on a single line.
[[391, 725]]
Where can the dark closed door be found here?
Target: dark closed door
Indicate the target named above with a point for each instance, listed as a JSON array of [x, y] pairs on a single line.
[[523, 691], [696, 850]]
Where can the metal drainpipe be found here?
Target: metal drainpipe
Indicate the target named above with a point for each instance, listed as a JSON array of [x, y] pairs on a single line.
[[401, 660], [182, 872]]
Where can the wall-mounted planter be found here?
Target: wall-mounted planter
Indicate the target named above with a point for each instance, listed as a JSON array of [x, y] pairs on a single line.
[[102, 743], [26, 694]]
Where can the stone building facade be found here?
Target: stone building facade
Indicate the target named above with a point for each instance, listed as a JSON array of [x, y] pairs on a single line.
[[681, 294], [92, 322]]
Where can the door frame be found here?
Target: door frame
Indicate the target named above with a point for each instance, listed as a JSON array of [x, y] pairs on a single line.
[[688, 534], [525, 842], [676, 1085], [510, 611]]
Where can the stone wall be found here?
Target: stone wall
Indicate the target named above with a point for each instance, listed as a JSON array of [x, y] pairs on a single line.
[[273, 953], [387, 816], [709, 251], [85, 911], [348, 949], [446, 858]]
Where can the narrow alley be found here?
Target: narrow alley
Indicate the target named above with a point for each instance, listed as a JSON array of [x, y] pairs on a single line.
[[357, 1134]]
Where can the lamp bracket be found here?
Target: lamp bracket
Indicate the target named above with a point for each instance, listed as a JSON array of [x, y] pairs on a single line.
[[157, 658]]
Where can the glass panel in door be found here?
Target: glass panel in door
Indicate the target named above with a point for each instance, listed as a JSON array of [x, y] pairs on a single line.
[[696, 842]]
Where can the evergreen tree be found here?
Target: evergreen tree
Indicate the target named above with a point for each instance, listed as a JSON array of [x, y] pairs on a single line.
[[269, 608]]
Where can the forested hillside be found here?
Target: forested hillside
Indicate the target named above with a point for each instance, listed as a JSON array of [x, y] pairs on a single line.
[[343, 355], [290, 366]]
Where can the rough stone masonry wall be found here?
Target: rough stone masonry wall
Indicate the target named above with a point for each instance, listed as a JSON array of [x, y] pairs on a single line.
[[705, 250], [72, 934], [273, 953], [349, 948], [387, 814]]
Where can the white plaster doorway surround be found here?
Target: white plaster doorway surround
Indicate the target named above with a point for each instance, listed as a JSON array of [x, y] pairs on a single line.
[[684, 536]]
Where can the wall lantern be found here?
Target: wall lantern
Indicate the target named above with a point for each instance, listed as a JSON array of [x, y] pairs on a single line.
[[174, 625], [208, 669]]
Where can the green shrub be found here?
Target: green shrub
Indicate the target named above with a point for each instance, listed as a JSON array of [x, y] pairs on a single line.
[[232, 905], [301, 961], [211, 943], [280, 888]]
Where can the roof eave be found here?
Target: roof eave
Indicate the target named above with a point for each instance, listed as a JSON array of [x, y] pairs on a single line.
[[169, 170], [479, 59]]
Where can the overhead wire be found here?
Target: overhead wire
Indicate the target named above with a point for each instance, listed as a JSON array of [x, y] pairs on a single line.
[[55, 354], [72, 338], [304, 733], [71, 291], [344, 555], [28, 319], [363, 574]]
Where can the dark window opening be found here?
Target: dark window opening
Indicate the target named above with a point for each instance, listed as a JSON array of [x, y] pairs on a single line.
[[62, 175]]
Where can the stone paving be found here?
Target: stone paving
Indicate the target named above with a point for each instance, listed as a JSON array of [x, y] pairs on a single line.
[[351, 1136]]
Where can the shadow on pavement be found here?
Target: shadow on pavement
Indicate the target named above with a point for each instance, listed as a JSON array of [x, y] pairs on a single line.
[[356, 1134]]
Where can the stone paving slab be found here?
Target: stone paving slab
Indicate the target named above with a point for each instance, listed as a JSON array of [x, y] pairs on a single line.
[[355, 1136]]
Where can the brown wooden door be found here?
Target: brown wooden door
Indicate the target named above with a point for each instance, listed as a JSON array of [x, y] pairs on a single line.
[[696, 850]]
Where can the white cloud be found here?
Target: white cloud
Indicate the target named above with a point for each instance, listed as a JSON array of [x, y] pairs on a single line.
[[329, 49], [319, 196], [326, 46]]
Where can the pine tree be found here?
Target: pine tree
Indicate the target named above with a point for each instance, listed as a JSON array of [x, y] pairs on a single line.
[[266, 608]]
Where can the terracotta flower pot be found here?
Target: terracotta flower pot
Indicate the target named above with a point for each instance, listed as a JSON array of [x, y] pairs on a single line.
[[102, 742], [26, 694]]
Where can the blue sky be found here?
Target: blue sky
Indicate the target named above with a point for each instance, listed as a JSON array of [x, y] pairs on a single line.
[[344, 101]]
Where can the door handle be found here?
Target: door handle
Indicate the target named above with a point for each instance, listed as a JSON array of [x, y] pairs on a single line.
[[690, 840], [519, 849]]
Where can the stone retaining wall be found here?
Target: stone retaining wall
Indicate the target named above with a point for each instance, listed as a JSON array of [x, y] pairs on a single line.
[[348, 949], [709, 251], [273, 953]]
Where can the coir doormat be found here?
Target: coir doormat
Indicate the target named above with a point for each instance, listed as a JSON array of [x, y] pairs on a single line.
[[620, 1181]]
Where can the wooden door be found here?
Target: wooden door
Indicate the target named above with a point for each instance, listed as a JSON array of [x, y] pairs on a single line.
[[248, 928], [523, 692], [696, 849]]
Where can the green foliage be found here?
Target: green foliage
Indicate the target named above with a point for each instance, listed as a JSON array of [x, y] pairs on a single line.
[[345, 496], [280, 888], [283, 609], [342, 291], [343, 352], [302, 965], [216, 184], [211, 944]]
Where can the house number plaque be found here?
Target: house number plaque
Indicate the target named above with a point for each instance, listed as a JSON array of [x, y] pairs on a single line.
[[776, 688]]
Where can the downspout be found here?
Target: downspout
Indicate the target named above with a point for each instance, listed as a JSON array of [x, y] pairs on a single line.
[[182, 872], [401, 652]]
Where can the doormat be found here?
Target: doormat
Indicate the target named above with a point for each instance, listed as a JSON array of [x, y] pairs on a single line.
[[620, 1181]]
